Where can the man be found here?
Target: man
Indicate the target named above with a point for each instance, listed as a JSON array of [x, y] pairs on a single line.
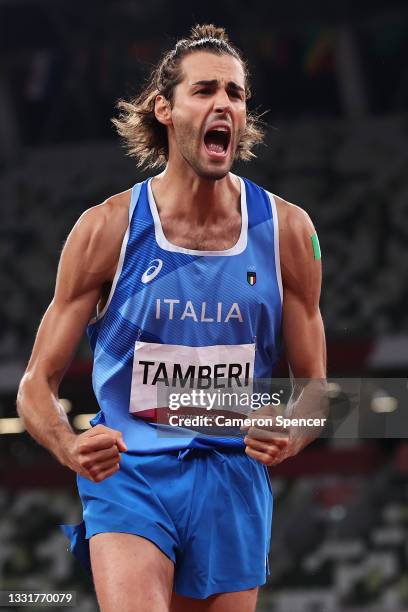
[[195, 270]]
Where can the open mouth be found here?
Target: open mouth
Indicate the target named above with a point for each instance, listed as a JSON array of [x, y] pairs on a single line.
[[216, 141]]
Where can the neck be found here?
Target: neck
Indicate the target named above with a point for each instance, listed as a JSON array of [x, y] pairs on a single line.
[[180, 192]]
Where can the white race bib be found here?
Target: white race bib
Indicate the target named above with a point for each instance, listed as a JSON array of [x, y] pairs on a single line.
[[158, 367]]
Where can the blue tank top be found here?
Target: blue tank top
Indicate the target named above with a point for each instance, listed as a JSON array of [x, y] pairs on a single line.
[[175, 313]]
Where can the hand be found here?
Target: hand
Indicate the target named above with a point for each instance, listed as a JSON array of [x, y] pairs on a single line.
[[268, 447], [95, 454]]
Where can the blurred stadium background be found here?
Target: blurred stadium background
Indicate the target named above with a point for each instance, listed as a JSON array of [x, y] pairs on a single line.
[[334, 79]]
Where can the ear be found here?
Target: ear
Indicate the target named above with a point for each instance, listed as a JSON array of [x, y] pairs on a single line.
[[162, 110]]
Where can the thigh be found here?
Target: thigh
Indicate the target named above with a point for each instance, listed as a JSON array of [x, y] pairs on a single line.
[[242, 601], [130, 573]]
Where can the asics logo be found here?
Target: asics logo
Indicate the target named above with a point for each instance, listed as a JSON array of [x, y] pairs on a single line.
[[152, 271]]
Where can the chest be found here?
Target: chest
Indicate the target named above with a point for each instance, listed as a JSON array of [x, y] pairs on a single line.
[[215, 236]]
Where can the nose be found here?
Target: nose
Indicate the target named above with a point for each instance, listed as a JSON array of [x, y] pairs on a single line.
[[222, 103]]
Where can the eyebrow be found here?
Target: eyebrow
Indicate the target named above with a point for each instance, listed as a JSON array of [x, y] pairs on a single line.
[[214, 83]]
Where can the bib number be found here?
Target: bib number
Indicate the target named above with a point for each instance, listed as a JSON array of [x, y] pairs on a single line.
[[159, 369]]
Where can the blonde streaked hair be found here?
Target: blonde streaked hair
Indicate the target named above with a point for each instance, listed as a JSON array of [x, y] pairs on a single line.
[[145, 138]]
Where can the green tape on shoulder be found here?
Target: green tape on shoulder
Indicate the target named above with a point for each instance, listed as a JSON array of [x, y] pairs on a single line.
[[316, 247]]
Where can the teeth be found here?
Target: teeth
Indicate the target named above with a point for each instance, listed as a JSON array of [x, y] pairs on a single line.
[[216, 148]]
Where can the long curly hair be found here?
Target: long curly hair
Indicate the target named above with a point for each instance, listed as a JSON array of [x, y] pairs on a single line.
[[145, 138]]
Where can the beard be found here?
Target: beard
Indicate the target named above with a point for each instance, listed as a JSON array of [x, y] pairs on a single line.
[[189, 142]]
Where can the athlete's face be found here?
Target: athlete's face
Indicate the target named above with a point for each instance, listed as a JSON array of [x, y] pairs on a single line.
[[208, 114]]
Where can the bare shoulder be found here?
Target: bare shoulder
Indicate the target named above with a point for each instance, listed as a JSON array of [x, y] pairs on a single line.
[[89, 258], [294, 222], [301, 270], [97, 236]]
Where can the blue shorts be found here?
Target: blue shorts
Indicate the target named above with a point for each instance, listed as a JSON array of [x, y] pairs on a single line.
[[208, 510]]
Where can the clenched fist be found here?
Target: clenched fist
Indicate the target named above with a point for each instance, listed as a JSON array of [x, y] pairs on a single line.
[[95, 454], [268, 447]]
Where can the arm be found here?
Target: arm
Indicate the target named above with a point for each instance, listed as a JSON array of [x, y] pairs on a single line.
[[303, 336], [86, 266]]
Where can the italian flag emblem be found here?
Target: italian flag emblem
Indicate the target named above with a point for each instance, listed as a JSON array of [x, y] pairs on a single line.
[[251, 277]]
